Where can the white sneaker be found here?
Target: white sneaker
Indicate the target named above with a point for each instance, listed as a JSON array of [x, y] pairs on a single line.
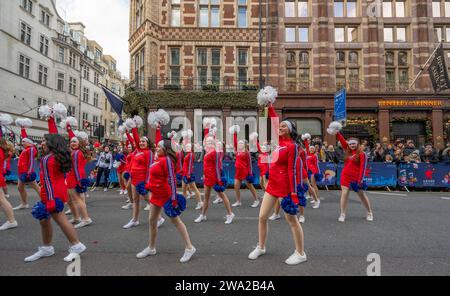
[[41, 253], [296, 259], [256, 203], [257, 252], [199, 206], [121, 192], [316, 205], [302, 219], [275, 217], [342, 218], [368, 218], [160, 222], [188, 255], [147, 207], [236, 204], [200, 219], [83, 223], [7, 196], [105, 190], [146, 252], [8, 225], [230, 219], [218, 200], [93, 188], [75, 251], [125, 192], [21, 207], [73, 221], [131, 224], [128, 206], [68, 212]]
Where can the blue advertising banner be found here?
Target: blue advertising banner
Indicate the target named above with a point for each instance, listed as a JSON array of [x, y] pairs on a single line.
[[377, 174], [424, 175], [340, 105], [328, 171]]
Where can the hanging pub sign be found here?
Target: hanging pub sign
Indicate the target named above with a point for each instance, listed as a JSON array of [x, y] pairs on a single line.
[[438, 71]]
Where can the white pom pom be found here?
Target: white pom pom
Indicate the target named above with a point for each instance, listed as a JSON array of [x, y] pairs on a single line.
[[122, 129], [190, 133], [130, 123], [82, 135], [267, 95], [235, 129], [45, 111], [163, 117], [306, 137], [172, 135], [60, 110], [138, 120], [116, 164], [253, 137], [5, 119], [24, 122], [334, 128], [72, 121], [206, 122], [152, 120], [3, 128], [213, 131]]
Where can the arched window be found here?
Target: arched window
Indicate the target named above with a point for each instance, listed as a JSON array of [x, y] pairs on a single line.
[[389, 58], [290, 58], [353, 57], [304, 58], [402, 58], [340, 57]]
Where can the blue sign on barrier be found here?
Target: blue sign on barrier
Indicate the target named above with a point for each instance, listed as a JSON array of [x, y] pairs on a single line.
[[328, 171], [424, 175], [381, 174]]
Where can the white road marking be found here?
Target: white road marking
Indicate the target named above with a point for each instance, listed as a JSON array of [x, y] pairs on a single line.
[[445, 198], [387, 193]]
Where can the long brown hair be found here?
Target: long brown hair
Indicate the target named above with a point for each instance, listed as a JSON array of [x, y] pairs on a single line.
[[169, 151], [4, 146], [348, 152], [87, 154]]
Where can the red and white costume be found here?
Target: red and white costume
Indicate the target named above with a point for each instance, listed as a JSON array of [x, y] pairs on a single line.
[[312, 161], [25, 165], [212, 168], [141, 162], [162, 182], [243, 162], [188, 165], [354, 166]]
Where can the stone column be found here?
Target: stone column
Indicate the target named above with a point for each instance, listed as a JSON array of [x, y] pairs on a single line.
[[383, 124], [328, 119], [437, 120]]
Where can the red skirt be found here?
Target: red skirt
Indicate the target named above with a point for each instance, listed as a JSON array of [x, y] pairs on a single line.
[[138, 177], [2, 181], [71, 181], [158, 200], [241, 174]]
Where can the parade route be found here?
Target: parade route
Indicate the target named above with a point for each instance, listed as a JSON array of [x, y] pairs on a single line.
[[411, 234]]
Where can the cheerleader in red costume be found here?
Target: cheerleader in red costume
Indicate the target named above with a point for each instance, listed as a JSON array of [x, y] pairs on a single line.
[[140, 165], [76, 180], [244, 168], [263, 160], [56, 162], [188, 169], [354, 171], [120, 162], [11, 222], [126, 175], [26, 169], [285, 182], [213, 177], [312, 163], [163, 188]]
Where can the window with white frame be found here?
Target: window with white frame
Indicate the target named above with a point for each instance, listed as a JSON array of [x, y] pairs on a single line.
[[209, 13], [73, 59], [395, 34], [139, 13], [86, 72], [72, 86], [42, 75], [441, 8], [96, 99], [25, 33], [24, 66], [297, 70], [61, 79], [71, 110], [96, 78], [397, 70], [242, 65], [175, 13], [347, 69], [45, 18], [139, 68], [43, 45], [297, 34], [442, 34], [27, 5], [346, 34], [296, 8], [175, 65], [61, 54], [394, 8], [86, 95], [242, 19], [345, 8]]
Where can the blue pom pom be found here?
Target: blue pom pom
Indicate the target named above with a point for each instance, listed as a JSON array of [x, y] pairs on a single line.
[[126, 176], [179, 177], [59, 205], [289, 207], [189, 180], [28, 178], [309, 174], [140, 188], [85, 182], [303, 202], [40, 212], [32, 177], [172, 211], [354, 186], [80, 189], [267, 175], [23, 178], [364, 186], [318, 177], [302, 189], [219, 188], [251, 179], [8, 173]]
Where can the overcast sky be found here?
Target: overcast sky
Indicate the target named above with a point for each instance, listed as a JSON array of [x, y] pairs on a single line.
[[106, 22]]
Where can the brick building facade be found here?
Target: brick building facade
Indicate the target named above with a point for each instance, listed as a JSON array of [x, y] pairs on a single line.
[[309, 50]]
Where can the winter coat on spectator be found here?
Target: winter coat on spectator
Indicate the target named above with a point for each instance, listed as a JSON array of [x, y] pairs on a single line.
[[330, 156]]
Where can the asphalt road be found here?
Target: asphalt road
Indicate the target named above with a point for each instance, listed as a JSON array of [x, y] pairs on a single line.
[[411, 233]]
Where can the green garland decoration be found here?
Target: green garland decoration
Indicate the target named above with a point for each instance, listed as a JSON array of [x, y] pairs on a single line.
[[370, 123]]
